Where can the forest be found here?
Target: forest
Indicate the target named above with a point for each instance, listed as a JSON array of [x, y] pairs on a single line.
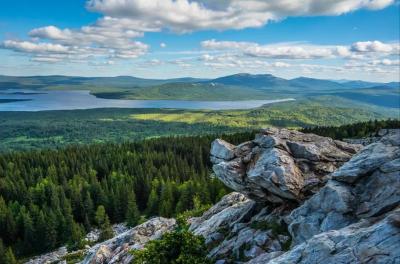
[[53, 197], [54, 129], [356, 130]]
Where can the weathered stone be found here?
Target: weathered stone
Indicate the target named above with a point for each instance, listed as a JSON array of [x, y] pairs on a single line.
[[369, 159], [103, 254], [325, 211], [280, 165], [116, 250], [231, 174], [378, 193], [222, 149], [222, 216], [363, 242], [266, 257], [276, 171]]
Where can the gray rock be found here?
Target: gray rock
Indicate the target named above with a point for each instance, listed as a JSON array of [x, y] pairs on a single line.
[[231, 174], [369, 159], [226, 202], [221, 216], [116, 250], [364, 242], [49, 257], [375, 190], [378, 193], [222, 150], [266, 257], [103, 254], [275, 170], [322, 212], [279, 165]]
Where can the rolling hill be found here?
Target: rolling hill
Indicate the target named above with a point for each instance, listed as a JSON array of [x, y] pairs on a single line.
[[242, 86]]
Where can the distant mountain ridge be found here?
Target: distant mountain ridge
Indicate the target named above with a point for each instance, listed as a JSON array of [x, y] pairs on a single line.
[[242, 86], [273, 82], [239, 79]]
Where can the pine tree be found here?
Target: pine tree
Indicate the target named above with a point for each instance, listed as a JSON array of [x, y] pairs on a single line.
[[29, 233], [103, 223], [77, 235], [50, 236], [2, 252], [132, 214], [88, 207], [41, 229], [9, 257], [166, 201], [152, 203], [106, 230]]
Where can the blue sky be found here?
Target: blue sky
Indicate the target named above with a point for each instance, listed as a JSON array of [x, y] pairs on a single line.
[[348, 39]]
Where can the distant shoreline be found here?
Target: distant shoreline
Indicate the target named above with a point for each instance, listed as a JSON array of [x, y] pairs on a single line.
[[5, 101]]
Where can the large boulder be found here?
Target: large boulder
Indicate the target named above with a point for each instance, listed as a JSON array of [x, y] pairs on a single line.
[[371, 158], [366, 186], [279, 165], [237, 229], [368, 241], [232, 209], [341, 203], [328, 209], [116, 250]]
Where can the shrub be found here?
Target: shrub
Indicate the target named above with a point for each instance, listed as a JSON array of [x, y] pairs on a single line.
[[177, 247]]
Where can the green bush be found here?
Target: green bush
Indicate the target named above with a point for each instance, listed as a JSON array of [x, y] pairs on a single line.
[[177, 247]]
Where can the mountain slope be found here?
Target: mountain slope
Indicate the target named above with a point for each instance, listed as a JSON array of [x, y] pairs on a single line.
[[251, 80]]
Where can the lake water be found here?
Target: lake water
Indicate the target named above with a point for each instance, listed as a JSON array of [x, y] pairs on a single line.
[[69, 100]]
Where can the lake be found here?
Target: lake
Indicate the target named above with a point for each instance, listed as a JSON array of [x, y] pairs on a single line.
[[29, 100]]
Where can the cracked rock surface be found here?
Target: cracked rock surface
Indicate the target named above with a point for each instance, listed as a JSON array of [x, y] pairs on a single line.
[[279, 165]]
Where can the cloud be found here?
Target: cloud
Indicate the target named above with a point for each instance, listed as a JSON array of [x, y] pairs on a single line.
[[30, 47], [387, 62], [376, 46], [358, 58], [185, 15], [102, 63], [115, 34], [103, 38], [296, 50], [276, 51]]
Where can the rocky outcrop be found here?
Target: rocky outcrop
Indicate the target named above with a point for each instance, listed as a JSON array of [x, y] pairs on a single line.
[[368, 241], [279, 165], [58, 256], [372, 138], [339, 206], [116, 250], [236, 229], [366, 186], [225, 214]]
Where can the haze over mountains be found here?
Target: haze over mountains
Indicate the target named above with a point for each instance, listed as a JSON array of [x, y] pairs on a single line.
[[264, 81], [242, 86]]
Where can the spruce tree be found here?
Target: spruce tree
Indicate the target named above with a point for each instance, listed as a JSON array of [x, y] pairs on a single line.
[[2, 252], [132, 213], [76, 240], [103, 222], [152, 203], [9, 257]]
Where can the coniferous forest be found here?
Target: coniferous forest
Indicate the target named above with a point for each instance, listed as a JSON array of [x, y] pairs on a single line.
[[52, 197], [49, 198], [356, 130]]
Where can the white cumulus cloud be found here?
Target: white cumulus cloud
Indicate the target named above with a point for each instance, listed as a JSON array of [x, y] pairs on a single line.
[[185, 15]]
